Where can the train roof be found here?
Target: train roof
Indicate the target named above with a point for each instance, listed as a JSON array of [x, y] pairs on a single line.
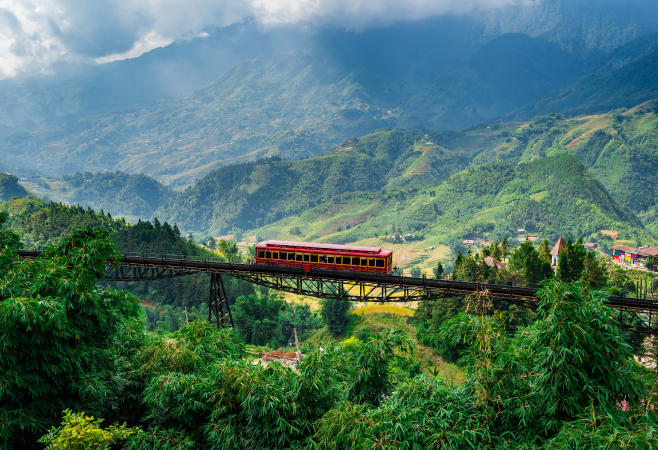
[[319, 246]]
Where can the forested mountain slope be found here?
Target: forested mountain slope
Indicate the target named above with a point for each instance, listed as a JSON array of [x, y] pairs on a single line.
[[118, 193], [577, 26], [624, 79], [250, 195], [620, 148], [504, 75], [613, 146]]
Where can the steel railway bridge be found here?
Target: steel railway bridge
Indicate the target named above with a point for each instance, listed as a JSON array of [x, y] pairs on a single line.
[[635, 314]]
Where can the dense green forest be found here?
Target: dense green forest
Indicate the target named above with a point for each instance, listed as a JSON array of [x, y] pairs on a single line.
[[41, 223], [72, 351]]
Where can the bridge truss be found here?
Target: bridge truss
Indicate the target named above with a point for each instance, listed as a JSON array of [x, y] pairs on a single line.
[[637, 315]]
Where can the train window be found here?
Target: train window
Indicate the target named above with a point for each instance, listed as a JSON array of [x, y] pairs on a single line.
[[371, 263], [380, 262], [275, 255], [364, 262], [323, 259], [261, 253], [330, 259], [291, 256], [298, 257], [314, 258], [356, 261], [268, 255], [339, 260], [306, 257]]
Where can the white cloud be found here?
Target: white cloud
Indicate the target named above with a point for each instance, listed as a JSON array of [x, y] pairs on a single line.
[[149, 42], [360, 14], [34, 33]]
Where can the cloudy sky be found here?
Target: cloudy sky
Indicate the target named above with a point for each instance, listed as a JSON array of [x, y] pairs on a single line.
[[34, 33]]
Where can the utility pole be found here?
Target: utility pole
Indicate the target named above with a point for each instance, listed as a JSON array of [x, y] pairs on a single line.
[[299, 354]]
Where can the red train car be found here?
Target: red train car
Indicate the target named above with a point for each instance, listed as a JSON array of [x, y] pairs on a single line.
[[325, 256]]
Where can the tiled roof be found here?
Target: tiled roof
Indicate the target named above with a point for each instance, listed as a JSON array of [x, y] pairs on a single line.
[[557, 248], [491, 262], [646, 251]]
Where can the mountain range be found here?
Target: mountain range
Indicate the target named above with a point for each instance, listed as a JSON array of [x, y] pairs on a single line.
[[239, 93]]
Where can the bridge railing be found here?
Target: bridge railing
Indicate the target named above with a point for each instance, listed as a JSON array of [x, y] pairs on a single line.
[[174, 256]]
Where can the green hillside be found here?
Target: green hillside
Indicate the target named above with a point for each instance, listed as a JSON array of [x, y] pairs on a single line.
[[119, 193], [250, 195], [9, 187], [550, 197], [613, 147], [618, 148]]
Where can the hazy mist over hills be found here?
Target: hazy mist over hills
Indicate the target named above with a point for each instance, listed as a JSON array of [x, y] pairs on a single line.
[[78, 89]]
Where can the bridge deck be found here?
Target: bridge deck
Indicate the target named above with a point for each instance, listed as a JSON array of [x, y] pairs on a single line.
[[391, 281]]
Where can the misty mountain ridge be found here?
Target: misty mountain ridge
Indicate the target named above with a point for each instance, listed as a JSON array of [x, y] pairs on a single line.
[[300, 104], [78, 90], [446, 72], [632, 81]]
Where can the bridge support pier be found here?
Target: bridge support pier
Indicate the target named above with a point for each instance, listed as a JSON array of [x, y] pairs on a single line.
[[219, 312]]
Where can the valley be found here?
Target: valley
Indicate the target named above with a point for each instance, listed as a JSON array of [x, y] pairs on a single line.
[[553, 176]]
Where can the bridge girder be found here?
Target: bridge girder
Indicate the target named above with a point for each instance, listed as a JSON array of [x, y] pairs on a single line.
[[136, 273]]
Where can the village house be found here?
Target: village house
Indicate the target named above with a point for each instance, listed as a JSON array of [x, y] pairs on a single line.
[[638, 257], [555, 253]]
